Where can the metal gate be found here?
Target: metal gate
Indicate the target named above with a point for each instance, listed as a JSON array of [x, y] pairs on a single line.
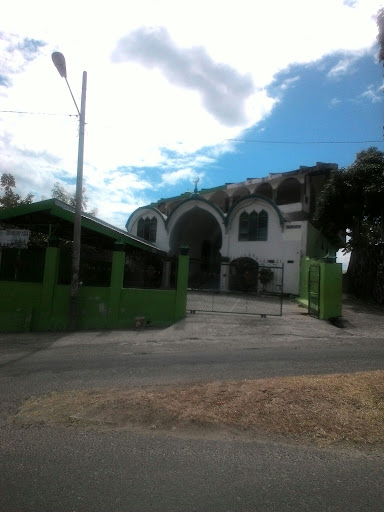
[[314, 291], [266, 298]]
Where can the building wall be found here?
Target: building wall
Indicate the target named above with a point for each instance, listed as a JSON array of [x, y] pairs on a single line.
[[284, 246], [281, 247], [18, 305], [330, 287], [318, 245], [143, 213], [288, 196]]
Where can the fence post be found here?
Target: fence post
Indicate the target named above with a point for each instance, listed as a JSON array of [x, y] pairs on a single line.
[[117, 277], [51, 266], [224, 274], [182, 284], [166, 275], [330, 290]]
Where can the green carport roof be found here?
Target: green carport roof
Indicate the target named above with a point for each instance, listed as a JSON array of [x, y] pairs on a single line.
[[52, 216]]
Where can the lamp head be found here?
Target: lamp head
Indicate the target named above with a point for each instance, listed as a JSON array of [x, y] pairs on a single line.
[[59, 61]]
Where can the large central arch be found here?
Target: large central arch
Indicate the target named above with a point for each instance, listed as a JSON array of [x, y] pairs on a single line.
[[200, 231]]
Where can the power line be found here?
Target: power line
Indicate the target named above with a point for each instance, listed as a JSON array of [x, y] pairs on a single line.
[[253, 141], [306, 141], [36, 113]]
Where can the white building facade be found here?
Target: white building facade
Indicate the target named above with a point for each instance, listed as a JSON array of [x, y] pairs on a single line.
[[233, 230]]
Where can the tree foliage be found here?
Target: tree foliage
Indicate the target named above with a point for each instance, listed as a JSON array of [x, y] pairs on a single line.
[[61, 193], [352, 202], [9, 198]]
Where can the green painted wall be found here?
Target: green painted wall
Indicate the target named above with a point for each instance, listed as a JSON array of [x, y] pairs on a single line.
[[330, 290], [18, 302], [303, 286], [60, 310], [45, 306], [93, 304], [52, 256], [317, 244], [330, 287], [156, 307], [117, 278], [182, 286]]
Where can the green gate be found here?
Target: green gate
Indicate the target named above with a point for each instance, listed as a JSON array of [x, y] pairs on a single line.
[[314, 291]]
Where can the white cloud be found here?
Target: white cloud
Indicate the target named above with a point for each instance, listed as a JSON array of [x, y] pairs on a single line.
[[351, 3], [334, 102], [223, 90], [16, 53], [189, 175], [373, 94], [289, 82], [345, 66]]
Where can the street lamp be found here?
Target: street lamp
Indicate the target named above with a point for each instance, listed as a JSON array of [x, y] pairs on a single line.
[[59, 61]]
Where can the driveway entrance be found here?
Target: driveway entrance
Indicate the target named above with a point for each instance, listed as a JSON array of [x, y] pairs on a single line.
[[264, 297]]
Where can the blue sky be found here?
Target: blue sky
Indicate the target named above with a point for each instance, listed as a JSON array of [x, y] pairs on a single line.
[[177, 92], [316, 115]]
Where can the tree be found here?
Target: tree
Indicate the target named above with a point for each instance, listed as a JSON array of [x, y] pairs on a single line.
[[9, 198], [59, 192], [352, 203]]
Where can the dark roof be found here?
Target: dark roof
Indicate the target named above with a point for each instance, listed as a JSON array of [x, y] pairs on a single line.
[[52, 216]]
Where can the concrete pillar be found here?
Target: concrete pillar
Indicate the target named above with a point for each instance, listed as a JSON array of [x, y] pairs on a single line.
[[330, 290], [166, 277], [224, 275], [182, 284], [117, 278], [51, 266]]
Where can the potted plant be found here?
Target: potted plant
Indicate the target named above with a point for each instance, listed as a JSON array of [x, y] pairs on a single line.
[[265, 277]]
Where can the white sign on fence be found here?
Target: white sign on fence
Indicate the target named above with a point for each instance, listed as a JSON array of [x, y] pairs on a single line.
[[17, 238]]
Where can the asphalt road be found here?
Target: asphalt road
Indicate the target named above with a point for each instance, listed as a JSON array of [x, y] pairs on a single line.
[[67, 469]]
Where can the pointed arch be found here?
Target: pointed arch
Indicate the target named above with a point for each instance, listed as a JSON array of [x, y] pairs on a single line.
[[232, 210], [265, 189], [288, 192]]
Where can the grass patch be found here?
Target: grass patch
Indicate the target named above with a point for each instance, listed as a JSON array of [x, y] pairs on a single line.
[[326, 409]]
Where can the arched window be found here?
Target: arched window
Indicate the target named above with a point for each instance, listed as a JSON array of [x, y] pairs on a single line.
[[253, 227], [243, 226], [220, 199], [239, 193], [262, 232], [265, 189], [147, 228], [288, 191]]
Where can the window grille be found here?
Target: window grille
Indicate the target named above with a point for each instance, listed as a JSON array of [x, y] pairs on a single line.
[[147, 229], [253, 226]]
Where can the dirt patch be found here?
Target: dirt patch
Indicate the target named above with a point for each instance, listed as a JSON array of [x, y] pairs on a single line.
[[326, 409]]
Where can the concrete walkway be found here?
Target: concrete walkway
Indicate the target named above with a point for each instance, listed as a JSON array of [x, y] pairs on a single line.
[[358, 320]]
